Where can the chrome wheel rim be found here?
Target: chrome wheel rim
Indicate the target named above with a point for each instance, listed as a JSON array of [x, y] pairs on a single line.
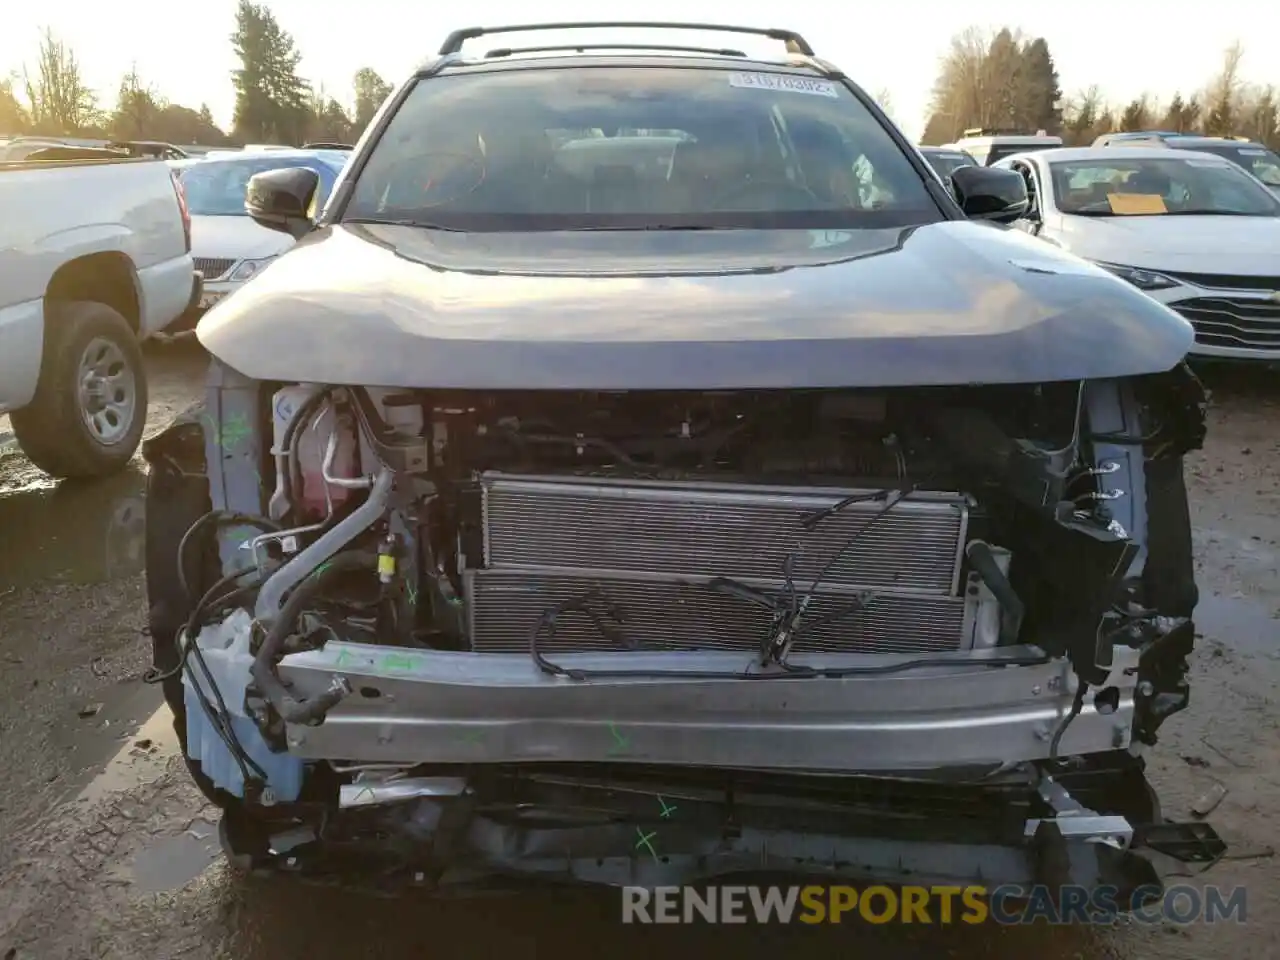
[[108, 391]]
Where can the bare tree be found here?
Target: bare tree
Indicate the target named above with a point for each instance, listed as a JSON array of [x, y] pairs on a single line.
[[13, 115], [137, 107], [1086, 117], [329, 121], [1001, 80], [960, 94], [885, 99], [60, 101], [1260, 116], [1222, 98], [1137, 115]]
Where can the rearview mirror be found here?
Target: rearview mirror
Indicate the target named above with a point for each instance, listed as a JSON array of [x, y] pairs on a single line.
[[281, 199], [990, 193]]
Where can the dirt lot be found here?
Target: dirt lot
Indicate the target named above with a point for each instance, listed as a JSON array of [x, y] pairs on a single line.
[[106, 851]]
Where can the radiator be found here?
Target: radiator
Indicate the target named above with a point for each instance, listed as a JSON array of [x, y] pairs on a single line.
[[646, 552]]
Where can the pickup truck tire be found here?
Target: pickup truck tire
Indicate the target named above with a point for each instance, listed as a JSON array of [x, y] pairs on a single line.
[[92, 371]]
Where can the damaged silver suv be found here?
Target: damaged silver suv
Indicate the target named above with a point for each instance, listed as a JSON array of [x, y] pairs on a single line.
[[644, 470]]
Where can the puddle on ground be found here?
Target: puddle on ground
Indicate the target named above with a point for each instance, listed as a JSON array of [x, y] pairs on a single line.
[[81, 531], [174, 861], [1240, 623]]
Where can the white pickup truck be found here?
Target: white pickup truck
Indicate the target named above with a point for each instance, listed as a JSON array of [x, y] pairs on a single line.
[[94, 256]]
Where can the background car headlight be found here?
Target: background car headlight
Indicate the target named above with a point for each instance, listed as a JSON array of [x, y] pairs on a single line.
[[249, 268], [1142, 279]]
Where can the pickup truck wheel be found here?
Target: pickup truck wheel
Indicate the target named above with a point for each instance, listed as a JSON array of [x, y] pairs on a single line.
[[90, 406]]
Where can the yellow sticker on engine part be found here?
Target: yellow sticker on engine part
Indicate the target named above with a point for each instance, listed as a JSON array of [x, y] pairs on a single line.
[[1136, 204], [386, 564]]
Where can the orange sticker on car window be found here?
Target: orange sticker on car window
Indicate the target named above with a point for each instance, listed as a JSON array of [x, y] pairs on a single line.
[[1136, 204]]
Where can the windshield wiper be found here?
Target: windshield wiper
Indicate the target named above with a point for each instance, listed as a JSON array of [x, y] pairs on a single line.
[[1215, 213], [1170, 213], [387, 222], [651, 226]]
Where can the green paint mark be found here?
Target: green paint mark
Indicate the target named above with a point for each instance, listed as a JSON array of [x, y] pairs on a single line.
[[319, 571], [232, 432], [667, 811], [344, 657], [620, 742], [396, 661], [412, 594], [646, 841], [235, 431], [474, 736]]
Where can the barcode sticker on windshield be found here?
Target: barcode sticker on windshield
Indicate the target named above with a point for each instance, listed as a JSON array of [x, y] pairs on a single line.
[[783, 82]]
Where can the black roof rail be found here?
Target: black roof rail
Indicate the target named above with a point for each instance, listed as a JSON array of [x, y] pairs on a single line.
[[584, 47], [794, 42]]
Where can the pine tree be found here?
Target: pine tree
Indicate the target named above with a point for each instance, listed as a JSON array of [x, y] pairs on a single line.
[[271, 99], [1041, 95]]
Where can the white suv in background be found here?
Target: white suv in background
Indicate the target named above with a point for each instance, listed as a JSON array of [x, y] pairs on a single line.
[[1193, 230], [228, 247]]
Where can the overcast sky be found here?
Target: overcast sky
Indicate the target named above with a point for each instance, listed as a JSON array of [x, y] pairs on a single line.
[[1125, 47]]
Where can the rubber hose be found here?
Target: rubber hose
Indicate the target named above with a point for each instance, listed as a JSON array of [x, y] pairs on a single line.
[[263, 669]]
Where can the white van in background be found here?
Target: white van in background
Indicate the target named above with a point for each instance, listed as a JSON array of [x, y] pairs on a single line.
[[987, 146]]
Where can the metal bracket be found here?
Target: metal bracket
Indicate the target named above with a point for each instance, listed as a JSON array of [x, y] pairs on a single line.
[[1184, 842], [1077, 822], [365, 792]]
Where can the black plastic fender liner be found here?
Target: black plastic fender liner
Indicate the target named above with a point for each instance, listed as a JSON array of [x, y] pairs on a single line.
[[177, 495], [1170, 583], [1169, 587]]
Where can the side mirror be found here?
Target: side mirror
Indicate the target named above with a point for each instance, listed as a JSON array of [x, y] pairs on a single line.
[[990, 193], [280, 199]]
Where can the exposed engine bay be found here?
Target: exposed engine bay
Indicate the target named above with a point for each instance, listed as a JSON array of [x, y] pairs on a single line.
[[967, 589]]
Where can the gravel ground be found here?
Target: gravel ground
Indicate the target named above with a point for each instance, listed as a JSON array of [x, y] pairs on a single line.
[[106, 851]]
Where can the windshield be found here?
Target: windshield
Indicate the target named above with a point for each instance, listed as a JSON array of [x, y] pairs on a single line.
[[216, 188], [589, 147], [948, 163], [1156, 187], [1257, 159]]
